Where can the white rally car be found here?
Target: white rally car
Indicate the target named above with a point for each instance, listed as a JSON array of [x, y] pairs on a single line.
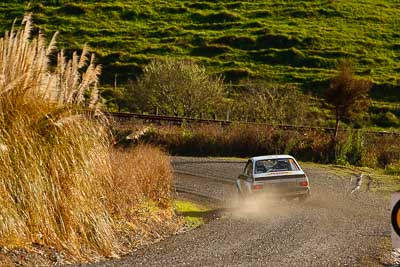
[[280, 175]]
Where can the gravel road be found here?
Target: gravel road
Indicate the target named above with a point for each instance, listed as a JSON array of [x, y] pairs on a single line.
[[333, 228]]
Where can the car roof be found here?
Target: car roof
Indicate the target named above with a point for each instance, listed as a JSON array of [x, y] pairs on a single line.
[[271, 157]]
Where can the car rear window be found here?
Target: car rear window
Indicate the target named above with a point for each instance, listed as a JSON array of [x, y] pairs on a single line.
[[275, 165]]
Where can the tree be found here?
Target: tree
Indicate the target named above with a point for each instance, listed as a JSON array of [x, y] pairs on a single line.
[[179, 88], [347, 95], [118, 99], [269, 102]]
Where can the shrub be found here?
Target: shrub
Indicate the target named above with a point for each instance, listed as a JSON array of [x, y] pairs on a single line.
[[347, 149], [387, 119], [239, 140], [393, 169], [177, 87], [377, 150]]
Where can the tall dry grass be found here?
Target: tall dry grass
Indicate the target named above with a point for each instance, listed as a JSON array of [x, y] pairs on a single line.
[[54, 162], [146, 175], [61, 184], [142, 201]]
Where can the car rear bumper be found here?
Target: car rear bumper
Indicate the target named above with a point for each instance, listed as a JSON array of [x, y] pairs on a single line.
[[283, 191], [286, 193]]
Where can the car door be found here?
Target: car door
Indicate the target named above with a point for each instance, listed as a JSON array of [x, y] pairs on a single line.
[[245, 179]]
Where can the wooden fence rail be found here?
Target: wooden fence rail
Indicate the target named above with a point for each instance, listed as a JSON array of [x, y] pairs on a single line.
[[121, 116]]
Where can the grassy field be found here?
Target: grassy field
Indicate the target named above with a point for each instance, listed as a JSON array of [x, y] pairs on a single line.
[[289, 41]]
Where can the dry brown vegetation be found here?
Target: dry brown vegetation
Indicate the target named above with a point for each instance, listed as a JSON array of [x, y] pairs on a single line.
[[57, 185], [243, 140], [142, 199], [149, 177]]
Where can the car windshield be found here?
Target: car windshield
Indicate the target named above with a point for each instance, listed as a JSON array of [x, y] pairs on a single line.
[[275, 165]]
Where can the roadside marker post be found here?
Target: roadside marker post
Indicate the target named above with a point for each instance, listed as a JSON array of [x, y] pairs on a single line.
[[395, 219]]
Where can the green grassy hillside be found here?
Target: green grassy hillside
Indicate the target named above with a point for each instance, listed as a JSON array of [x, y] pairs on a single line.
[[290, 41]]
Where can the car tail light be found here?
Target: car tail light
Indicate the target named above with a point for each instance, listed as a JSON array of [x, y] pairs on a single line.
[[303, 183], [258, 187]]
